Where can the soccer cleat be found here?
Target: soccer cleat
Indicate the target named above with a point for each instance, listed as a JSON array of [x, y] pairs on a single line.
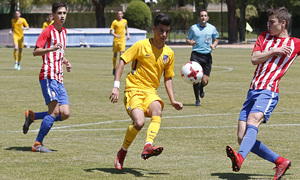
[[281, 168], [235, 158], [151, 151], [120, 159], [16, 66], [202, 92], [29, 118], [19, 67], [39, 147], [197, 103]]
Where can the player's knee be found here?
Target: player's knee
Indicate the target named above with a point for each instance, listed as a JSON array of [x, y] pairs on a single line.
[[64, 116], [138, 124]]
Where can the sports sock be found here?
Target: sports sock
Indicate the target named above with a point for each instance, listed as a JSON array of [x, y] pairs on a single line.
[[20, 57], [196, 88], [264, 152], [16, 56], [248, 140], [46, 125], [153, 128], [114, 62], [130, 136], [41, 115]]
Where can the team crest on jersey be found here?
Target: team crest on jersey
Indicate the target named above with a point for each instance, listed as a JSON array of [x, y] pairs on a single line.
[[165, 58]]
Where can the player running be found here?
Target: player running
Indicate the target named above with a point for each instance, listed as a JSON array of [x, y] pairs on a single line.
[[117, 29], [150, 59], [273, 53], [51, 45], [18, 24]]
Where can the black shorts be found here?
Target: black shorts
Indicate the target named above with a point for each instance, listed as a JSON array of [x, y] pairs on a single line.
[[205, 60]]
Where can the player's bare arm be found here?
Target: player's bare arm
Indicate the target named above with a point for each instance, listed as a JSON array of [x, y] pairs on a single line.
[[169, 88], [114, 96], [114, 34], [41, 51], [68, 65], [260, 57], [191, 42], [127, 32], [214, 44]]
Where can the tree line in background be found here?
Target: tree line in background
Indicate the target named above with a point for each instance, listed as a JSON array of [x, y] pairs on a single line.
[[239, 11]]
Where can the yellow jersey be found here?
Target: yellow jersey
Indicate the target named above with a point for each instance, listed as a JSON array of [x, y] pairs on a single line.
[[148, 64], [46, 24], [119, 27], [17, 24]]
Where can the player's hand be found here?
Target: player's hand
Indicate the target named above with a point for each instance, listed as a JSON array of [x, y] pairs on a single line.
[[212, 46], [283, 50], [56, 46], [68, 66], [193, 43], [118, 36], [177, 105], [10, 32], [128, 37], [114, 95]]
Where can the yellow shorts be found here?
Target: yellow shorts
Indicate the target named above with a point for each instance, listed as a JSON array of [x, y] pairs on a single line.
[[118, 46], [19, 41], [140, 100]]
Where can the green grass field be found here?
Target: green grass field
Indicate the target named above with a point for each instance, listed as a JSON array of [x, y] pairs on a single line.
[[194, 139]]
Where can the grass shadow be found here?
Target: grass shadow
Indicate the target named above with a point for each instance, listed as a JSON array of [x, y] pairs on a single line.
[[24, 148], [239, 176], [137, 172]]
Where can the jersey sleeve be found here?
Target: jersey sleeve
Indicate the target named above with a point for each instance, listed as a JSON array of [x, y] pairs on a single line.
[[259, 43], [42, 39], [169, 69], [112, 27], [131, 53], [25, 24], [190, 33], [215, 34]]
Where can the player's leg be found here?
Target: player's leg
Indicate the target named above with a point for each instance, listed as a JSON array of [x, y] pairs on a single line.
[[115, 62], [21, 45], [155, 112], [138, 119], [16, 47], [46, 125]]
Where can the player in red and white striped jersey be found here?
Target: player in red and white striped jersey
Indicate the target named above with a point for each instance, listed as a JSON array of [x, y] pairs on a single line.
[[51, 45], [273, 53]]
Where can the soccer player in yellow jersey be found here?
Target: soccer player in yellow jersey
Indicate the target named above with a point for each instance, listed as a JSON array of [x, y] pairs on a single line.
[[49, 21], [150, 59], [18, 24], [117, 29]]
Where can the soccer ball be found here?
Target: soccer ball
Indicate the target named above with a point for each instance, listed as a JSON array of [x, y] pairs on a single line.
[[192, 72]]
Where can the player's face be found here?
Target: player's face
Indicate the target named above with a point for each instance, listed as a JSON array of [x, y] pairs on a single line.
[[119, 15], [274, 26], [17, 14], [161, 33], [60, 15], [203, 17]]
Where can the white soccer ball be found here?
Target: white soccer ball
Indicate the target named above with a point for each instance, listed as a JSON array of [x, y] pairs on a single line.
[[192, 72]]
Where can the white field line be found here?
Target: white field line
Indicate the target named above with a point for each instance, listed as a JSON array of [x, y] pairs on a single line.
[[64, 128]]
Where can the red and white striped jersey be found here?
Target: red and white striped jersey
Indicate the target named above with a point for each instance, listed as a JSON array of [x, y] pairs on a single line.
[[268, 74], [53, 61]]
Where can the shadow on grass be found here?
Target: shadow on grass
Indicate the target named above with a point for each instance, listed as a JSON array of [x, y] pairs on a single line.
[[24, 148], [239, 176], [134, 171]]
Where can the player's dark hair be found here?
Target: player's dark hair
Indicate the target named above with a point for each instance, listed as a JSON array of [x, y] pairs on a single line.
[[57, 5], [281, 13], [202, 10], [163, 19]]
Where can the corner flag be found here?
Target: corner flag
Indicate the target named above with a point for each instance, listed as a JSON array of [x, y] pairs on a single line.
[[248, 27]]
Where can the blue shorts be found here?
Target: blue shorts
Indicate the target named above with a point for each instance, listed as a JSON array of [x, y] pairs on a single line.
[[54, 91], [263, 101]]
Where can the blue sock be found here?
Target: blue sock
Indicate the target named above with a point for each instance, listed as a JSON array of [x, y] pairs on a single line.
[[46, 125], [264, 152], [41, 115], [248, 140]]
